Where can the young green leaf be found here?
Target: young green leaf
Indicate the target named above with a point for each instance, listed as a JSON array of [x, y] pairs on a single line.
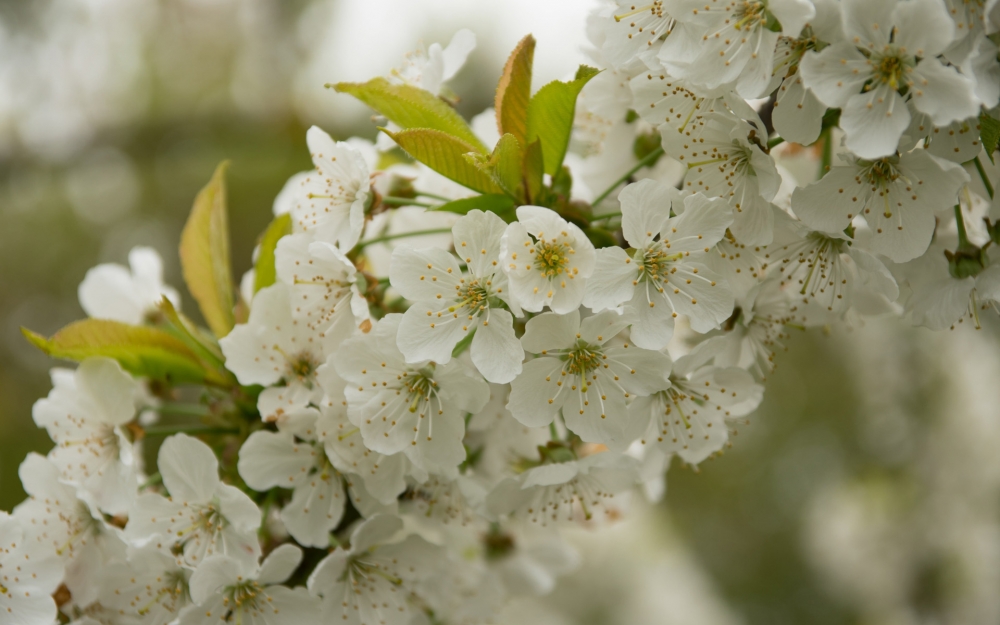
[[204, 254], [140, 350], [264, 272], [989, 133], [495, 202], [514, 91], [410, 107], [197, 339], [446, 155], [533, 171], [550, 117], [503, 165]]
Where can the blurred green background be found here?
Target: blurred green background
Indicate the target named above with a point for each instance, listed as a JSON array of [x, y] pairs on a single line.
[[865, 489]]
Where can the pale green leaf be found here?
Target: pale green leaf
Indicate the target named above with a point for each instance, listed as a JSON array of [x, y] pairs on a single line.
[[989, 133], [264, 271], [411, 107], [494, 202], [446, 155], [533, 171], [141, 350], [550, 117], [200, 341], [503, 165], [204, 255], [514, 91]]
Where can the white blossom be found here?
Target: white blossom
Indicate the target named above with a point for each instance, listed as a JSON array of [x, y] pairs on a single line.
[[202, 517], [823, 270], [635, 31], [498, 441], [449, 303], [66, 526], [897, 196], [583, 371], [751, 340], [724, 161], [271, 459], [414, 408], [565, 490], [331, 200], [128, 294], [546, 259], [431, 67], [383, 475], [84, 414], [230, 591], [372, 580], [891, 46], [730, 42], [150, 588], [666, 274], [942, 299], [689, 418], [28, 575], [272, 347], [323, 287]]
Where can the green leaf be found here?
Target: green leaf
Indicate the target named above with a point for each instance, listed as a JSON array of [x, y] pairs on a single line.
[[533, 170], [503, 165], [264, 272], [198, 340], [514, 91], [204, 255], [550, 116], [494, 202], [411, 107], [989, 133], [464, 344], [142, 351], [444, 154], [562, 182]]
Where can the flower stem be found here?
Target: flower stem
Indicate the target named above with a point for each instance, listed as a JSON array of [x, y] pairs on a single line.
[[187, 410], [983, 176], [775, 142], [605, 216], [402, 235], [152, 480], [827, 158], [405, 201], [963, 237], [167, 430], [649, 159], [434, 196]]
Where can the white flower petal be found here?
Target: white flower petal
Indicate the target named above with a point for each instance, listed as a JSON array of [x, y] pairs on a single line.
[[495, 350]]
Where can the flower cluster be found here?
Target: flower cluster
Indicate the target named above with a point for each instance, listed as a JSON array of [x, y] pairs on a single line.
[[447, 351]]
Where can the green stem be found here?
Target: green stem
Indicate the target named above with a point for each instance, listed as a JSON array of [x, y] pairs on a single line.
[[983, 176], [649, 159], [167, 430], [187, 410], [403, 235], [963, 237], [434, 196], [775, 142], [153, 480], [827, 159], [606, 216], [405, 201], [553, 432]]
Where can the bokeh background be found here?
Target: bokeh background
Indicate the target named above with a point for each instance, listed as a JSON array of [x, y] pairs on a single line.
[[865, 490]]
